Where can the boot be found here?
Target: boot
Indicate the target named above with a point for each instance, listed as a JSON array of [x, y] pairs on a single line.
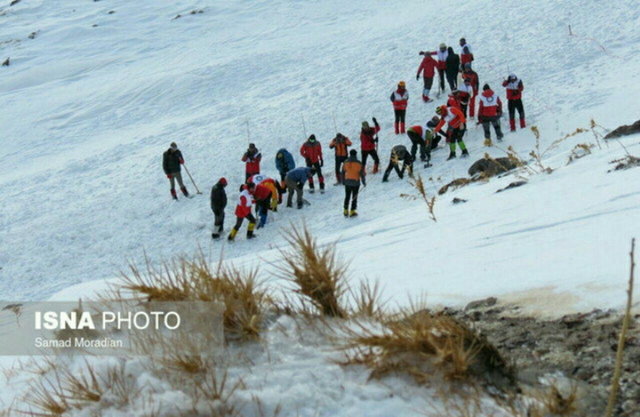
[[402, 127], [173, 194], [375, 168], [385, 178], [300, 205], [338, 179], [345, 212], [452, 155], [487, 142], [465, 153], [396, 125], [322, 187], [232, 234], [512, 124], [250, 234], [353, 213], [184, 191], [425, 98], [522, 124]]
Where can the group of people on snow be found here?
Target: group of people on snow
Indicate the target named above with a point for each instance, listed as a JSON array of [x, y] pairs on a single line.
[[450, 121]]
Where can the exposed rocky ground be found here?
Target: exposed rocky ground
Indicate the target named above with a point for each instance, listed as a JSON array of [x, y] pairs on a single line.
[[580, 346]]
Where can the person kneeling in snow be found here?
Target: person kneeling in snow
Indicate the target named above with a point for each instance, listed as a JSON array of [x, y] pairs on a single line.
[[218, 204], [399, 153], [171, 161], [243, 211]]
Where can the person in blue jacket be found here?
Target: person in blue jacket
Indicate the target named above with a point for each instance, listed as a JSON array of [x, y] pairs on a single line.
[[295, 180], [284, 164]]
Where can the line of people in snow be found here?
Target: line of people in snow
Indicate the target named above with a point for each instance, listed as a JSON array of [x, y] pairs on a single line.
[[450, 119]]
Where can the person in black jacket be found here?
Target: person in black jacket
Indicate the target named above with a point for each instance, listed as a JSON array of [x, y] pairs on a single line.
[[452, 69], [171, 161], [218, 203]]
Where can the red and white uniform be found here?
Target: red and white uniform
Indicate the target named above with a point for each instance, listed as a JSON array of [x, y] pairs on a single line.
[[441, 58], [453, 117], [261, 192], [427, 66], [490, 104], [400, 99], [466, 55], [514, 88], [243, 209], [311, 151], [452, 101], [465, 92]]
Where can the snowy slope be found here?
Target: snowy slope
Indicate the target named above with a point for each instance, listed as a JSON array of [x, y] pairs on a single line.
[[89, 110]]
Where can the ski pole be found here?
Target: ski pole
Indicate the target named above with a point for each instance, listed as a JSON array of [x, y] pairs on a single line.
[[191, 178], [304, 126], [248, 136]]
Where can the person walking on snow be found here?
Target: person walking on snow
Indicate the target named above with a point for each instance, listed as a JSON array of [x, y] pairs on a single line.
[[452, 68], [399, 154], [466, 55], [489, 112], [427, 69], [353, 173], [263, 196], [252, 161], [218, 203], [369, 144], [171, 161], [400, 100], [295, 182], [474, 81], [284, 164], [340, 144], [514, 88], [311, 151], [243, 211], [456, 127]]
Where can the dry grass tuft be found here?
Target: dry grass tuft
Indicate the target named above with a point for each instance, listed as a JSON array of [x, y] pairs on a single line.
[[552, 401], [422, 344], [430, 201], [315, 271], [580, 151], [368, 301]]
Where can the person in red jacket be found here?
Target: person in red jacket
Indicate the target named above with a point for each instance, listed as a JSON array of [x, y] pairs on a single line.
[[455, 120], [341, 144], [427, 69], [252, 161], [369, 144], [311, 151], [514, 88], [400, 100], [489, 112], [466, 55], [263, 195], [243, 211], [441, 64], [453, 101], [474, 81]]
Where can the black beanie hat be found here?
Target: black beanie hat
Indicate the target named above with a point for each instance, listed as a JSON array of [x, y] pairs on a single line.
[[486, 87]]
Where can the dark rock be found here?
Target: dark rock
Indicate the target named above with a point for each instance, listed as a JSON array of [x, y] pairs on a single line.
[[457, 200], [33, 35], [624, 130], [14, 2], [6, 63], [111, 11], [95, 25], [490, 167], [514, 184], [178, 16], [486, 302]]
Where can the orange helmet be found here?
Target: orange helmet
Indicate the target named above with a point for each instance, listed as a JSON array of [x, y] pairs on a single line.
[[402, 84]]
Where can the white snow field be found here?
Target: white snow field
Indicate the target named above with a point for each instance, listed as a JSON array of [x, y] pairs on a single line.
[[91, 103]]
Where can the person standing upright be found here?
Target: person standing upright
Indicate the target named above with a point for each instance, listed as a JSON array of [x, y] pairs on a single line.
[[284, 164], [489, 112], [218, 203], [400, 100], [311, 151], [353, 173], [466, 55], [514, 88], [369, 144], [427, 69], [340, 144], [171, 161], [252, 160], [452, 69], [243, 211], [474, 81]]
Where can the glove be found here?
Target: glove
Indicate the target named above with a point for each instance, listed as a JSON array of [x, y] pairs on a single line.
[[321, 163], [417, 77], [169, 176], [181, 161], [375, 121]]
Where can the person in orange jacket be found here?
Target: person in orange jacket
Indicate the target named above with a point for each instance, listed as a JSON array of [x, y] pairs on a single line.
[[400, 100], [243, 211], [311, 151], [340, 144], [514, 88], [456, 126], [353, 174], [427, 69]]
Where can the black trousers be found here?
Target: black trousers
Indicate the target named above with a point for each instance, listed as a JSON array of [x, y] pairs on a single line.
[[441, 77], [218, 223], [374, 155], [318, 168], [452, 79], [351, 193], [487, 122], [393, 164], [339, 161], [239, 221], [428, 82], [513, 106], [417, 141], [400, 114]]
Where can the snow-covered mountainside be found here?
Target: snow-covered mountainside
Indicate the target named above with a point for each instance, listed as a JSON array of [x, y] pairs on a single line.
[[92, 101]]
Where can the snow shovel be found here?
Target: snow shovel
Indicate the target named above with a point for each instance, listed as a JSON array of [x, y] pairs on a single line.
[[192, 181]]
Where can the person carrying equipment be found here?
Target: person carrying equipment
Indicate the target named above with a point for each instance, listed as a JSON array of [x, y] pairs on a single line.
[[353, 174], [171, 161], [399, 154], [341, 144]]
